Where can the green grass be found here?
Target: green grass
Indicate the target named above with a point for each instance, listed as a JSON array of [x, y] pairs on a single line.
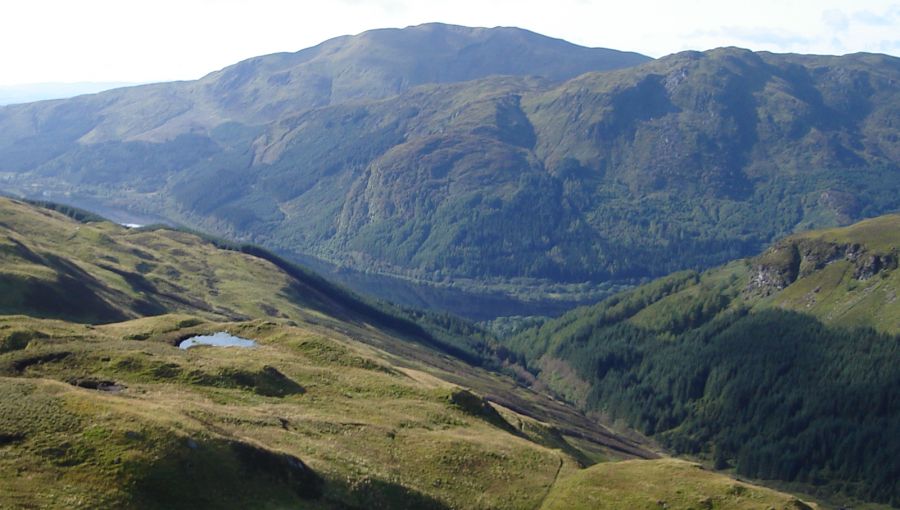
[[669, 483], [881, 234], [360, 424]]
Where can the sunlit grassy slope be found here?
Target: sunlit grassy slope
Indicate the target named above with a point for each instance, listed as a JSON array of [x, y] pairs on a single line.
[[664, 483], [844, 277], [210, 426], [99, 408], [53, 266], [847, 276]]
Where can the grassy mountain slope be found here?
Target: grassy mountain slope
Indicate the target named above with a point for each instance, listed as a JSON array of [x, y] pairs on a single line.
[[212, 427], [328, 410], [608, 487], [101, 272], [117, 417], [91, 270], [782, 366]]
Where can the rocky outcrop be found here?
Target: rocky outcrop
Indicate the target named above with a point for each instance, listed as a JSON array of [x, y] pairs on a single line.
[[869, 264], [793, 259], [775, 269]]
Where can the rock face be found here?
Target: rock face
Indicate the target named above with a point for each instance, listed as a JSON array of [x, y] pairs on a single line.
[[776, 269], [786, 262], [868, 264]]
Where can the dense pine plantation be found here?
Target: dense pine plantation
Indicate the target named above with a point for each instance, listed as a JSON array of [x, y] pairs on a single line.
[[776, 394], [705, 364]]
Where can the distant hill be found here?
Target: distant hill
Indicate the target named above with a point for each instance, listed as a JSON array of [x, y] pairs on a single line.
[[30, 92], [782, 366], [374, 152]]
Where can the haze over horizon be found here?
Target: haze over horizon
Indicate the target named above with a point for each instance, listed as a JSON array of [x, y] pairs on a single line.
[[107, 41]]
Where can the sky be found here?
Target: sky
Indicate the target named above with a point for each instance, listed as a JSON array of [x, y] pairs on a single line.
[[141, 41]]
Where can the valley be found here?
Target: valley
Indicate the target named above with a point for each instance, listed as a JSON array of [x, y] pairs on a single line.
[[473, 299], [329, 410], [457, 268]]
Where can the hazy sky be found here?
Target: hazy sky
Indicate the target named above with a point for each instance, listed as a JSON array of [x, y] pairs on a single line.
[[139, 40]]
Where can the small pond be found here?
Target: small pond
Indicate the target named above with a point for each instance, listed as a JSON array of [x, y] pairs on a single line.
[[220, 339]]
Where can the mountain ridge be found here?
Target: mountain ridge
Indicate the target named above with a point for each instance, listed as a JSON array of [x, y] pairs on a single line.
[[368, 65], [682, 162]]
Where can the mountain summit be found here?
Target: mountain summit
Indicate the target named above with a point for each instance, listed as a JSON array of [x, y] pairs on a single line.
[[371, 65]]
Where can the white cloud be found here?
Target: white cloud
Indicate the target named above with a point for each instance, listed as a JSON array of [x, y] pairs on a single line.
[[836, 20], [873, 19], [753, 37]]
